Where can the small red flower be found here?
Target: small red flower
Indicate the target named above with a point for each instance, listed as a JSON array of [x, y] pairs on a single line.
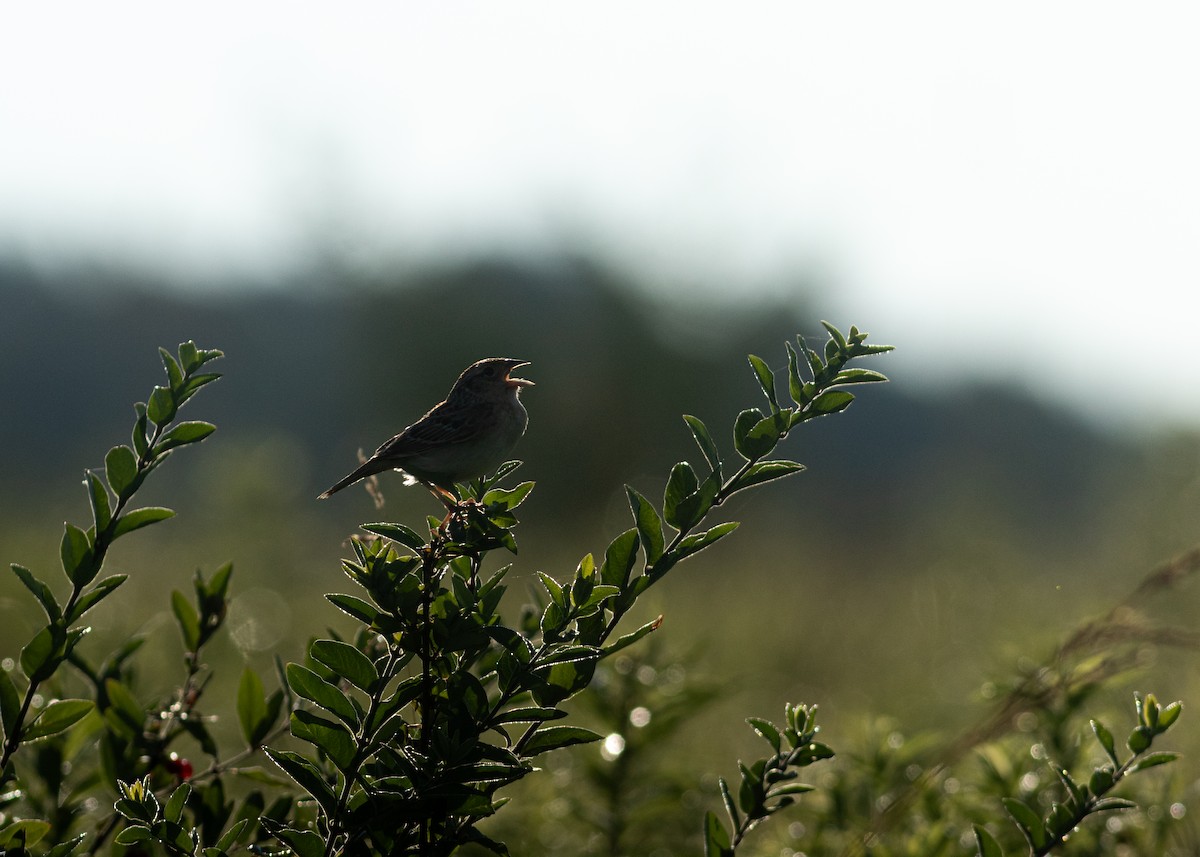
[[180, 767]]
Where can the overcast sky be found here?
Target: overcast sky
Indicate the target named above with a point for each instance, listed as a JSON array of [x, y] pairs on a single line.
[[1023, 175]]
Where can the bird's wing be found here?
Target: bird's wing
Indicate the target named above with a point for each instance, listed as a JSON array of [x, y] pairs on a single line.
[[441, 427]]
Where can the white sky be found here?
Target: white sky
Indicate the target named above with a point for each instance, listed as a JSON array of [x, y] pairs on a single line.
[[1023, 175]]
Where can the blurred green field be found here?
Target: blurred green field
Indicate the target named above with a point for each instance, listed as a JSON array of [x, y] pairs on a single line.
[[940, 541]]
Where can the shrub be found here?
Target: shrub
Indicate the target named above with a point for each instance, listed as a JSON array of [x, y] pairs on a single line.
[[401, 738]]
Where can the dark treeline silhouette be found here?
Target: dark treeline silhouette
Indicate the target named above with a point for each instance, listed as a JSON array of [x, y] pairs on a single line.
[[348, 361]]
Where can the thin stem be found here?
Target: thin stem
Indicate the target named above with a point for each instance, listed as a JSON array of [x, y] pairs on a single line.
[[103, 540], [14, 740], [363, 750], [428, 564], [723, 494]]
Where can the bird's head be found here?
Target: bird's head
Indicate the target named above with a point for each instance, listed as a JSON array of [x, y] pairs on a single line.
[[491, 376]]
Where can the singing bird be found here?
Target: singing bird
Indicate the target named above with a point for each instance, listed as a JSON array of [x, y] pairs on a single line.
[[459, 439]]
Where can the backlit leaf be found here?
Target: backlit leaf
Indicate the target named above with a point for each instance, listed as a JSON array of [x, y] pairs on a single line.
[[138, 518], [649, 526], [347, 662], [704, 440], [120, 468]]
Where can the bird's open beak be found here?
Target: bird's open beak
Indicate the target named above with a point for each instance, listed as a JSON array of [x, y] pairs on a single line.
[[517, 382]]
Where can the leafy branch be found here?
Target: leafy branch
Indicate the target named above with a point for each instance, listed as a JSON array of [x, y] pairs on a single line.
[[1044, 834], [155, 436], [768, 785], [442, 702]]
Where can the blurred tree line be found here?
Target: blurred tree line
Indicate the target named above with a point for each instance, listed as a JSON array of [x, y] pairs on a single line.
[[915, 516], [365, 356]]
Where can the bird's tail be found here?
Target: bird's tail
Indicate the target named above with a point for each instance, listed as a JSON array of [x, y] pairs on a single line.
[[362, 472]]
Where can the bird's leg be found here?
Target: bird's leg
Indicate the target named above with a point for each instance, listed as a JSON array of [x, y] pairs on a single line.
[[449, 499]]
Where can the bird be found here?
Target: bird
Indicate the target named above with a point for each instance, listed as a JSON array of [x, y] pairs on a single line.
[[459, 439]]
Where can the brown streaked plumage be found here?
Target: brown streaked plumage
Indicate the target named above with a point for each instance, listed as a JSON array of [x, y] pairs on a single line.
[[465, 436]]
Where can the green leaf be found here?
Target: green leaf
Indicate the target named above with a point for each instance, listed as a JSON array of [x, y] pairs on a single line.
[[361, 610], [699, 541], [1168, 715], [218, 586], [22, 833], [1028, 821], [1140, 739], [557, 737], [735, 818], [73, 636], [38, 655], [765, 471], [303, 843], [1110, 803], [207, 354], [681, 485], [10, 702], [553, 588], [174, 373], [184, 433], [554, 618], [139, 435], [631, 638], [830, 402], [750, 793], [1106, 741], [1101, 780], [1072, 787], [67, 848], [189, 356], [507, 498], [835, 335], [1153, 760], [251, 706], [766, 379], [56, 717], [94, 596], [705, 441], [795, 382], [537, 714], [188, 619], [649, 526], [161, 407], [306, 775], [347, 662], [755, 435], [194, 383], [121, 470], [231, 836], [568, 653], [692, 509], [40, 591], [598, 595], [767, 730], [1147, 708], [858, 376], [308, 685], [620, 558], [98, 497], [138, 518], [77, 557], [716, 838], [331, 737], [397, 533], [563, 680], [124, 714], [814, 360], [173, 809]]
